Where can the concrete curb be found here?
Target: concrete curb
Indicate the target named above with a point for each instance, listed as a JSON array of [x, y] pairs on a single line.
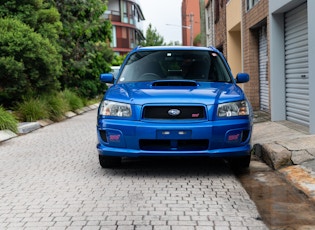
[[301, 178], [279, 158], [289, 151], [6, 135], [27, 127]]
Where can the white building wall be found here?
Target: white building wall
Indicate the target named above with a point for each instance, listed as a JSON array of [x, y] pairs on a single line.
[[277, 57]]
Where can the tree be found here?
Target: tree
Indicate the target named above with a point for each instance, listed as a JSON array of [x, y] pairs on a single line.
[[75, 32], [85, 45], [172, 43], [118, 60], [197, 40], [39, 15], [29, 63], [153, 38]]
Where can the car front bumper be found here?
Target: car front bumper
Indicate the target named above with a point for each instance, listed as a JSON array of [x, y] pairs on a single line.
[[224, 138]]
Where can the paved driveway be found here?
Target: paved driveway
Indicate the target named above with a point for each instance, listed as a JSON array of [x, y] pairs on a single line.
[[51, 179]]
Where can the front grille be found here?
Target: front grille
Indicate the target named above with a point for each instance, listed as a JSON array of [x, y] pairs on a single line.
[[165, 112], [174, 145]]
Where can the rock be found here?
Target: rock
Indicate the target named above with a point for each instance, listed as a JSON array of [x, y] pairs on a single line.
[[276, 156]]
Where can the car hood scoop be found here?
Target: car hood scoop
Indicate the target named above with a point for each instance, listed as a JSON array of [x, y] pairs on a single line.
[[175, 83], [174, 92]]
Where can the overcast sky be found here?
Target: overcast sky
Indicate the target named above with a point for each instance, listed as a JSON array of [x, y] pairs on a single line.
[[160, 13]]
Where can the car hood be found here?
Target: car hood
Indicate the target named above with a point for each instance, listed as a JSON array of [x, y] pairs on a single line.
[[174, 92]]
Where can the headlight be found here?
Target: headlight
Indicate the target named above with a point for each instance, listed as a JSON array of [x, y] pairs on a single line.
[[112, 108], [238, 108]]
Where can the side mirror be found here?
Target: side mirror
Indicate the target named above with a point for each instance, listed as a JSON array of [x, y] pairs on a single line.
[[107, 77], [242, 78]]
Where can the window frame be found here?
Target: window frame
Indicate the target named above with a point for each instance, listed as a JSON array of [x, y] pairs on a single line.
[[250, 4]]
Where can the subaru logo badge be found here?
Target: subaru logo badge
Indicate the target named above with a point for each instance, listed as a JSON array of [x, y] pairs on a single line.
[[174, 112]]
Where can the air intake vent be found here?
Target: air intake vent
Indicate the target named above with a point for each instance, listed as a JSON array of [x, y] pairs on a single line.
[[174, 83]]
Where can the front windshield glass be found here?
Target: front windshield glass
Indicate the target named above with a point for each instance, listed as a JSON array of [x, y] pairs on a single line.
[[175, 65]]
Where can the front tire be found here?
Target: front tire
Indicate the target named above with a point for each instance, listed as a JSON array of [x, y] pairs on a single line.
[[109, 161]]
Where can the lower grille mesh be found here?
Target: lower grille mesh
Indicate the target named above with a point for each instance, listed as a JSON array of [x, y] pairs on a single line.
[[173, 145]]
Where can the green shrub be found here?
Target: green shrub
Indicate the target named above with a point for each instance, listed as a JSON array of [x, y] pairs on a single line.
[[30, 64], [74, 101], [32, 109], [57, 106], [7, 120]]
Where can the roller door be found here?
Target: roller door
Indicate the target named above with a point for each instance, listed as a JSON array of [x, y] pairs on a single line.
[[296, 65], [263, 69]]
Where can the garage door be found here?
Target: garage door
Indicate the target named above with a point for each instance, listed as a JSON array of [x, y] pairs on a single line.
[[263, 69], [296, 65]]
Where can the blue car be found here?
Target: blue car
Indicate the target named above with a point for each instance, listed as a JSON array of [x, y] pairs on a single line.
[[174, 101]]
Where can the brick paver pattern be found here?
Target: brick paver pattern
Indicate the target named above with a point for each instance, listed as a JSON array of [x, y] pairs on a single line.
[[51, 179]]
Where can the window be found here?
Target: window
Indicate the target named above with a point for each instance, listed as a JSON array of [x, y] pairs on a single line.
[[250, 4], [124, 32], [114, 37], [125, 12], [200, 66]]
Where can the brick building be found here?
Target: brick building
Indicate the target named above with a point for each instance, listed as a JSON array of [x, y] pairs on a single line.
[[190, 21], [220, 25], [239, 29], [216, 24], [256, 52]]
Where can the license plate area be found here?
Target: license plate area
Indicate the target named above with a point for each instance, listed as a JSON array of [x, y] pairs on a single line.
[[173, 134]]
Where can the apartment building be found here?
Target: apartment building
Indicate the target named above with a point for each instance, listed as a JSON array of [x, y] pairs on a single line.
[[190, 21], [126, 17]]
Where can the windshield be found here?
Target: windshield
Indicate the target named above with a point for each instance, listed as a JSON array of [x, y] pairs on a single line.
[[175, 65]]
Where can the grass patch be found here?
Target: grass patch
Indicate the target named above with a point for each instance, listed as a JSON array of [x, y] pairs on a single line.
[[32, 109], [74, 101], [57, 106], [52, 106], [8, 121]]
